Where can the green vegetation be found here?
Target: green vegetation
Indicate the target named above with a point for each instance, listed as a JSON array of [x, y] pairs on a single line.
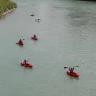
[[6, 5]]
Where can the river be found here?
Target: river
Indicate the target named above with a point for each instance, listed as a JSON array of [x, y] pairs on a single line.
[[66, 37]]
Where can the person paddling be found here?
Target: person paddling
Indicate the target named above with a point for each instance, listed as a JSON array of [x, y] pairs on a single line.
[[20, 41], [34, 36], [38, 20], [25, 61], [71, 70]]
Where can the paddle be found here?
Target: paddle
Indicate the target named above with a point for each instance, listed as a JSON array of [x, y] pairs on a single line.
[[68, 67]]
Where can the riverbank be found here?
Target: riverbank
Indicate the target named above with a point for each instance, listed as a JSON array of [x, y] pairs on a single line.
[[6, 6]]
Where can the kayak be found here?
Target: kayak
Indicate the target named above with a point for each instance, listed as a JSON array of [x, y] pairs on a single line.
[[20, 43], [34, 38], [72, 74], [26, 65]]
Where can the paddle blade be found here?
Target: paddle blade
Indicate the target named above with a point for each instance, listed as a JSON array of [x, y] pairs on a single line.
[[65, 67]]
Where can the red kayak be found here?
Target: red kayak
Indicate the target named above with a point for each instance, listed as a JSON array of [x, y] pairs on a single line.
[[34, 38], [72, 74], [20, 43], [26, 65]]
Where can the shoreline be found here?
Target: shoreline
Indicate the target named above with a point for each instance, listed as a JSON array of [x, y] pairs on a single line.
[[7, 12]]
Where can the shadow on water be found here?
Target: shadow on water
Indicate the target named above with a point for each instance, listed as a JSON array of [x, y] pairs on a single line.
[[20, 46], [72, 78], [26, 68]]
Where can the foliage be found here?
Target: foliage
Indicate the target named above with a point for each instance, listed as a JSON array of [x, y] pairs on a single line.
[[6, 5]]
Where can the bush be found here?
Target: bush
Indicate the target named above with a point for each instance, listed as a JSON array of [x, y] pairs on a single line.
[[6, 5]]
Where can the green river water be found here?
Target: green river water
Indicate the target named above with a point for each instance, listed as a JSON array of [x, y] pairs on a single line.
[[66, 37]]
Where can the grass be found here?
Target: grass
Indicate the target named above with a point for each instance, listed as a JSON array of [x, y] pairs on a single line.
[[6, 5]]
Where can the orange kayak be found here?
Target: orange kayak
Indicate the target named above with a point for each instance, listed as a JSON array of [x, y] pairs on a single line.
[[34, 38], [26, 65], [20, 43], [72, 74]]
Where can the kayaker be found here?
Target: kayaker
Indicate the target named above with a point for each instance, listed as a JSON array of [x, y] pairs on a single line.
[[34, 36], [20, 41], [38, 20], [25, 61], [71, 70]]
